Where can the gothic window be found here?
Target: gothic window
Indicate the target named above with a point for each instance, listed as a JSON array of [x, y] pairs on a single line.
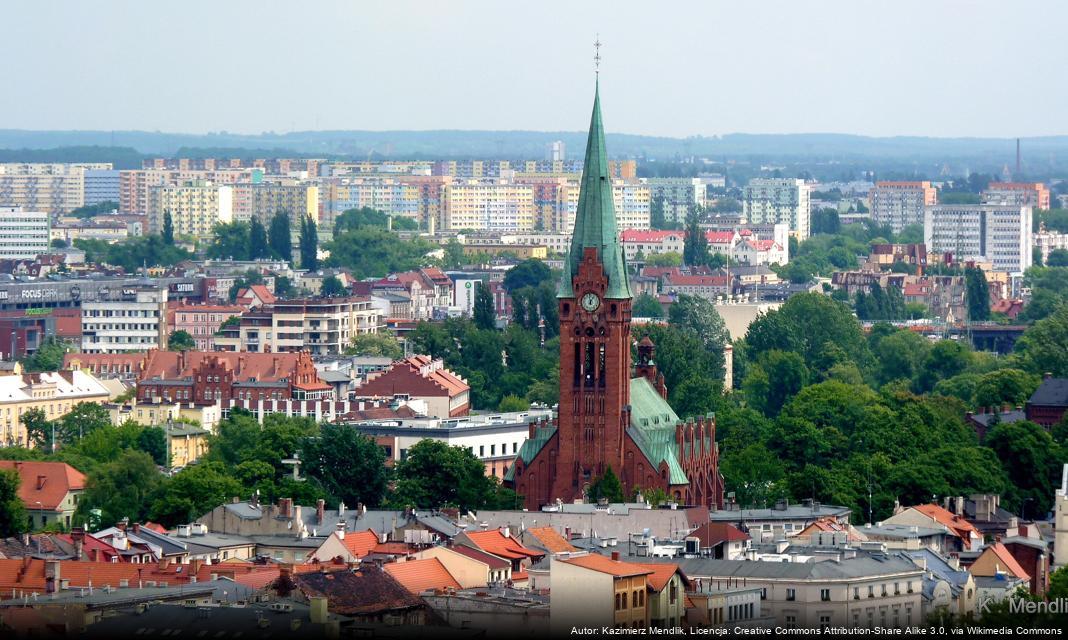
[[587, 365], [600, 366]]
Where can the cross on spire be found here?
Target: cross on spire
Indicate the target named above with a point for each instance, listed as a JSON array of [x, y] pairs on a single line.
[[597, 55]]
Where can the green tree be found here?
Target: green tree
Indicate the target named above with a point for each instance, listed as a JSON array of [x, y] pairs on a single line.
[[47, 357], [646, 306], [606, 487], [122, 488], [454, 254], [1005, 386], [153, 441], [512, 403], [978, 295], [58, 243], [14, 519], [900, 355], [192, 492], [348, 464], [656, 212], [368, 252], [1028, 454], [168, 228], [435, 475], [699, 316], [230, 241], [181, 341], [805, 324], [695, 243], [1057, 258], [332, 287], [528, 273], [774, 379], [258, 246], [485, 315], [309, 244], [38, 429], [666, 259], [383, 344], [1043, 348], [753, 473], [280, 238]]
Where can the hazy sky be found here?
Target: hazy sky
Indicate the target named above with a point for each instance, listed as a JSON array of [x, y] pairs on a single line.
[[930, 67]]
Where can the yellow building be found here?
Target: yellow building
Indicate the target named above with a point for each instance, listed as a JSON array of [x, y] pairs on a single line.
[[185, 443], [152, 414], [195, 206], [518, 250], [488, 206], [54, 392]]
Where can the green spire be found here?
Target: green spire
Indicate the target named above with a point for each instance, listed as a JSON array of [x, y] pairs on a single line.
[[595, 220]]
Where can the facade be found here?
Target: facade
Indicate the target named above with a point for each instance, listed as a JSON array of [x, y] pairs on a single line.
[[52, 188], [779, 200], [135, 186], [201, 321], [49, 490], [101, 185], [195, 206], [999, 234], [23, 234], [262, 200], [1048, 404], [320, 326], [488, 206], [418, 198], [677, 195], [130, 319], [782, 520], [421, 378], [1046, 241], [1019, 194], [597, 591], [1060, 522], [900, 204], [608, 419], [54, 393]]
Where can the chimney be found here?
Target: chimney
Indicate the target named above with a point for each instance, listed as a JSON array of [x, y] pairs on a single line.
[[506, 532], [1047, 375], [121, 525], [532, 426], [339, 529], [77, 535], [41, 481], [567, 534], [615, 556], [341, 510], [320, 510], [137, 527], [958, 505]]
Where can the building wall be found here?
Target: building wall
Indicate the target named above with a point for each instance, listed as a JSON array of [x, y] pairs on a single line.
[[470, 573], [53, 188], [581, 598], [134, 322], [901, 204], [23, 234], [998, 234], [195, 208], [779, 200]]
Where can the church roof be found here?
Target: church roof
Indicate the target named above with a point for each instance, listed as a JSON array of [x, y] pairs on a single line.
[[531, 447], [595, 221]]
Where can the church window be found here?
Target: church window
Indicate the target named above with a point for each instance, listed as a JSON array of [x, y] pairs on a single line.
[[600, 366]]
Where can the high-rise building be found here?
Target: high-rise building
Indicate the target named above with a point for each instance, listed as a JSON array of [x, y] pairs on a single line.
[[134, 185], [480, 205], [23, 234], [559, 151], [125, 319], [52, 188], [678, 195], [609, 420], [101, 185], [195, 207], [900, 204], [417, 198], [998, 234], [775, 200], [1031, 194], [264, 199]]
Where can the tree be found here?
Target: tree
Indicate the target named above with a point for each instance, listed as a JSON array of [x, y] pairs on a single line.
[[48, 357], [332, 287], [309, 244], [153, 441], [646, 306], [350, 466], [485, 315], [454, 254], [1057, 258], [14, 518], [168, 229], [606, 487], [804, 324], [280, 238], [192, 492], [978, 295], [38, 429], [230, 241], [1043, 348], [58, 243], [656, 212], [699, 316], [121, 489], [900, 355], [1028, 453], [368, 251], [435, 475], [258, 246], [667, 259], [511, 403], [774, 379], [382, 344], [181, 341], [695, 244], [1005, 386], [528, 273]]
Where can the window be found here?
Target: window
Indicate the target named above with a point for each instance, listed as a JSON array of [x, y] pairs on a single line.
[[791, 621], [634, 599], [617, 602], [825, 621], [481, 451], [856, 593], [791, 594], [825, 595], [871, 591], [673, 592]]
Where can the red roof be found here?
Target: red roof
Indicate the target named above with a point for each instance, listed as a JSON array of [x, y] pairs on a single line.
[[418, 576], [712, 533], [486, 558], [360, 543], [261, 367], [1006, 561], [45, 482], [762, 245], [958, 525], [392, 548], [720, 237], [604, 564], [661, 574], [696, 281], [407, 375], [257, 291], [640, 235], [552, 541], [495, 542]]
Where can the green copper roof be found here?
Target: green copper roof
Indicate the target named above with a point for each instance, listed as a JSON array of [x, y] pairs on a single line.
[[531, 447], [652, 428], [595, 220]]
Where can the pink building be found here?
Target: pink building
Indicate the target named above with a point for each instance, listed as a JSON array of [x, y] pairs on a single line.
[[201, 321]]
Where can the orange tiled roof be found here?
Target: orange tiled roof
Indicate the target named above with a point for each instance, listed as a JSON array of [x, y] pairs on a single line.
[[360, 543], [418, 576], [391, 548], [45, 482], [661, 573], [551, 540], [957, 524], [1007, 561], [603, 564], [496, 543]]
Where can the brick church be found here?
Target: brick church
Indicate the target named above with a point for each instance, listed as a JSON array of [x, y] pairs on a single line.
[[611, 414]]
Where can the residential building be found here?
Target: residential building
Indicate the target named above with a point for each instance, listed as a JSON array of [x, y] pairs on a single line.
[[709, 287], [470, 567], [195, 207], [135, 186], [366, 595], [101, 185], [427, 289], [201, 321], [1032, 554], [1060, 522], [503, 544], [23, 234], [1019, 194], [600, 592], [52, 188], [207, 378], [782, 520], [478, 205], [1049, 402], [421, 378], [262, 200], [125, 319], [420, 576], [345, 546], [666, 596], [418, 198], [883, 256], [48, 490], [320, 326], [1046, 241], [677, 195], [605, 523], [186, 443], [519, 251], [779, 200], [999, 234], [648, 242], [255, 296], [961, 535], [900, 204], [55, 393], [721, 540], [99, 228]]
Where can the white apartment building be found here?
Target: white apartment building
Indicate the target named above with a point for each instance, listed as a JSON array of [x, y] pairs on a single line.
[[52, 188], [998, 234], [901, 204], [632, 202], [1046, 241], [23, 234], [321, 326], [678, 194], [479, 205], [779, 200], [195, 207], [125, 319]]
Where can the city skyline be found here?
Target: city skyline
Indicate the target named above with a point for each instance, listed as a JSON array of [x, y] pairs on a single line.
[[341, 66]]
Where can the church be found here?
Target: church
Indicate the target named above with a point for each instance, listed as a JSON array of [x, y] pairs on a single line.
[[612, 414]]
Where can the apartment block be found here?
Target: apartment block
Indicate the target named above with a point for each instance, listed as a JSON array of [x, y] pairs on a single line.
[[125, 319], [262, 200], [488, 206], [901, 204], [101, 185], [779, 200], [201, 321], [135, 185], [320, 326], [1046, 241], [678, 195], [998, 234], [195, 207], [52, 188], [418, 198], [23, 234], [1020, 194]]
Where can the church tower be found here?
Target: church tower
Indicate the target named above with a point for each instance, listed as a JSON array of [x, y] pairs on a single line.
[[595, 309]]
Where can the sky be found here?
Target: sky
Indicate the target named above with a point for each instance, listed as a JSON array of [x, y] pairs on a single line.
[[943, 68]]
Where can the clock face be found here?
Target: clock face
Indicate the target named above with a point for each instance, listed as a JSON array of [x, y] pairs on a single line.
[[590, 302]]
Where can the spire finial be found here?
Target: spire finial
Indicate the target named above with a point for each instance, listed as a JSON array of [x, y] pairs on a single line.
[[597, 55]]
